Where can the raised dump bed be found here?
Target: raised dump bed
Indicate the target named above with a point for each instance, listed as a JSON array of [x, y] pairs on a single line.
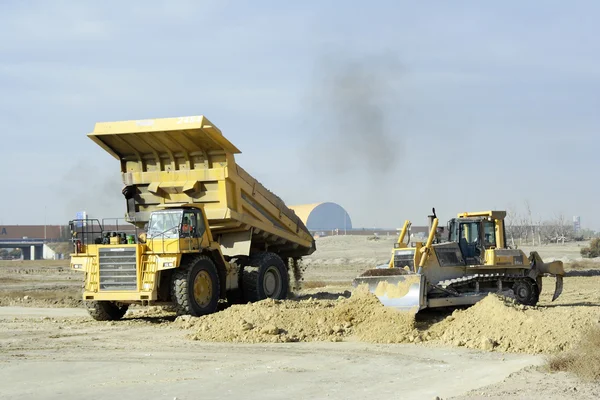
[[188, 160]]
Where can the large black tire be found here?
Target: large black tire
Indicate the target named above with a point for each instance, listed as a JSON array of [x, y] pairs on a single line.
[[106, 310], [265, 276], [195, 288], [526, 292]]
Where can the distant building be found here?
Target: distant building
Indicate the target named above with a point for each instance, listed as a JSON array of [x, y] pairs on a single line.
[[323, 216], [576, 224], [34, 232]]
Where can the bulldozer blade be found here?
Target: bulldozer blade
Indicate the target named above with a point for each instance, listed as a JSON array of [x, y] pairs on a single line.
[[401, 291], [559, 287]]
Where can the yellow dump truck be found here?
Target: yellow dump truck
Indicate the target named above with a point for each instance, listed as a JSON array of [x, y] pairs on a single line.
[[208, 231]]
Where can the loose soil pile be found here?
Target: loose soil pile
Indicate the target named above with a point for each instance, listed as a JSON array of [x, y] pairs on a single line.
[[360, 317], [495, 323], [500, 323]]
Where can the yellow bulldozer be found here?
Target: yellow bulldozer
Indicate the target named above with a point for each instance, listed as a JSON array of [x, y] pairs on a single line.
[[204, 229], [459, 268]]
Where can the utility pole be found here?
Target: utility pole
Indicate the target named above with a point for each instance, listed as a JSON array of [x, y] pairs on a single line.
[[45, 224]]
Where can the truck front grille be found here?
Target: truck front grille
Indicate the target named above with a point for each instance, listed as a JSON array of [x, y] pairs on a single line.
[[118, 268]]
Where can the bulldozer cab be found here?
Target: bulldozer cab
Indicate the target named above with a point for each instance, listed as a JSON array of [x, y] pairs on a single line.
[[468, 234], [477, 232]]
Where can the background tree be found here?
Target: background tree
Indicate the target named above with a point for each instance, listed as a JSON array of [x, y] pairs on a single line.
[[510, 222], [593, 250]]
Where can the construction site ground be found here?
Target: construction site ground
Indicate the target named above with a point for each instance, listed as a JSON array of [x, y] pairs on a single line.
[[325, 342]]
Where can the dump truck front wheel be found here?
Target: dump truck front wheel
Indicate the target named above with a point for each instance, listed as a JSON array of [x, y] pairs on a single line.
[[106, 310], [195, 289], [265, 276], [526, 292]]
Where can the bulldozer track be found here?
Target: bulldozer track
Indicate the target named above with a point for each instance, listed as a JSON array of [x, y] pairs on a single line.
[[450, 285]]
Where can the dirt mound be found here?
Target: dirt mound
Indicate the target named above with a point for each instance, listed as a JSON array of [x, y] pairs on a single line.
[[361, 316], [498, 323], [495, 323]]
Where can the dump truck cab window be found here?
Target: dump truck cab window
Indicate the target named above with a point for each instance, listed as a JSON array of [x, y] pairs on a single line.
[[188, 225], [200, 228], [489, 234], [164, 224], [192, 224]]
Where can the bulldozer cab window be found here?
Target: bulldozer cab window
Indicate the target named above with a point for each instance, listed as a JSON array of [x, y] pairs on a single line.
[[469, 241], [470, 232], [453, 231], [489, 234]]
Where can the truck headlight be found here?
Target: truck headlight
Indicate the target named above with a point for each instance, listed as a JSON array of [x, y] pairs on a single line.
[[77, 266], [168, 264]]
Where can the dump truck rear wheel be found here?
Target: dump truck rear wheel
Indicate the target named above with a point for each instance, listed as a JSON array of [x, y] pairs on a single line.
[[526, 292], [195, 289], [106, 310], [265, 276]]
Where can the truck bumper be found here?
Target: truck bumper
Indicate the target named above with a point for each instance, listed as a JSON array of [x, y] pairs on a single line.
[[119, 296]]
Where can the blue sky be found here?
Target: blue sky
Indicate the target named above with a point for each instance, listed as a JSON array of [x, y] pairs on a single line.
[[459, 105]]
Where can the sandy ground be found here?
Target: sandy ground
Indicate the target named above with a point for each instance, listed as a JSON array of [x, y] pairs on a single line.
[[39, 283], [69, 355], [49, 349]]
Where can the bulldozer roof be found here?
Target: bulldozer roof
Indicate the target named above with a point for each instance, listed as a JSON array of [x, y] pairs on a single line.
[[174, 135], [492, 214]]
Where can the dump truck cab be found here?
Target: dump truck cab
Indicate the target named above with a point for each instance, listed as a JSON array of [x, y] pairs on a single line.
[[175, 261], [178, 230]]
